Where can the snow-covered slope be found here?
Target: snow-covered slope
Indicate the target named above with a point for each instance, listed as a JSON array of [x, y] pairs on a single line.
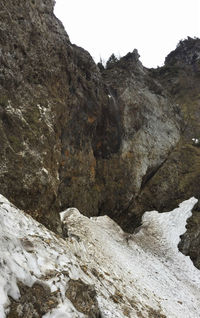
[[98, 271]]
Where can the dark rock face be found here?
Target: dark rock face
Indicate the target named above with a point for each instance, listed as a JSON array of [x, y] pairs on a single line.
[[31, 102], [34, 302], [83, 297], [114, 142], [190, 241], [50, 99]]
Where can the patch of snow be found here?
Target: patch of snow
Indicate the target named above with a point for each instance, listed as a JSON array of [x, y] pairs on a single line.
[[15, 111], [47, 116], [45, 170], [134, 274], [195, 140]]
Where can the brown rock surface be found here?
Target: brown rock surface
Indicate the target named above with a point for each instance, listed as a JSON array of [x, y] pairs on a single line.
[[83, 297], [50, 99], [34, 302]]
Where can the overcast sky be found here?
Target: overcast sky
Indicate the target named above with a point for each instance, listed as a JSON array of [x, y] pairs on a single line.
[[154, 27]]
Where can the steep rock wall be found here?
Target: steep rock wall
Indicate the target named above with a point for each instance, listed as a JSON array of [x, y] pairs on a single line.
[[50, 98]]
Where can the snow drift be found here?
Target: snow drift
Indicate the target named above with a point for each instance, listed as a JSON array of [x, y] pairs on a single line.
[[140, 275]]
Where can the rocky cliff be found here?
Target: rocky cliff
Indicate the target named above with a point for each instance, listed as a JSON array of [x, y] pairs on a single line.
[[115, 141], [51, 98]]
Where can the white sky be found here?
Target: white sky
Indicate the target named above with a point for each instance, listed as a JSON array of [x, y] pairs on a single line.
[[154, 27]]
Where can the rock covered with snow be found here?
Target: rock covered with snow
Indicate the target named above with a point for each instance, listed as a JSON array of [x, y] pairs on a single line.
[[98, 270]]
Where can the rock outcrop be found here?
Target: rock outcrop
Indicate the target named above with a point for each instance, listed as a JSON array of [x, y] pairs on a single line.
[[179, 176], [150, 127], [115, 141]]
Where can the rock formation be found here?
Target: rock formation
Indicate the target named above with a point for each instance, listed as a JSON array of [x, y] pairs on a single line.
[[51, 97], [115, 141]]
